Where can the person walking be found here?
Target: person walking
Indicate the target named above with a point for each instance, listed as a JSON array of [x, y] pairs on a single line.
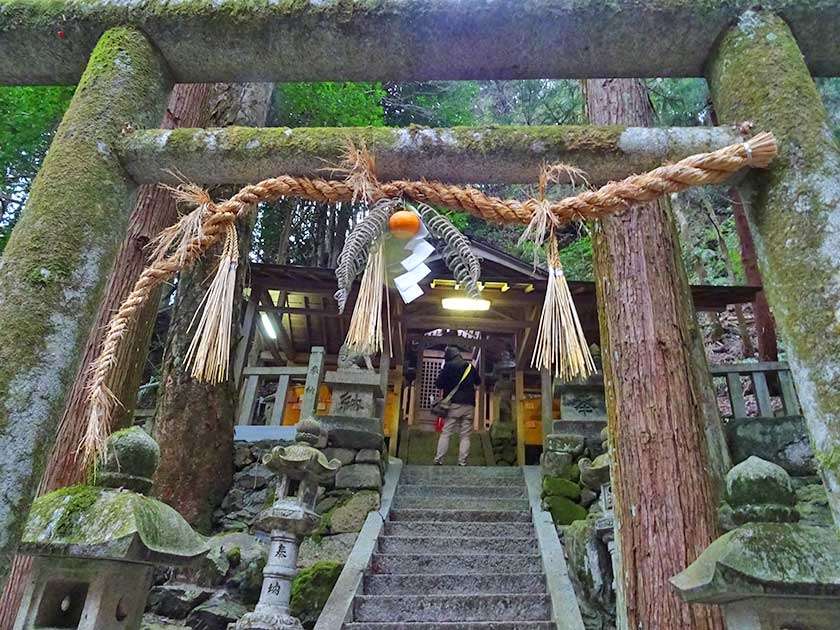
[[458, 380]]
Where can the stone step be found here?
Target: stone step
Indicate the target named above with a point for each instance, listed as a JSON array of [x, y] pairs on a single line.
[[450, 528], [453, 625], [466, 475], [460, 515], [490, 492], [457, 503], [413, 545], [468, 607], [454, 583], [405, 564]]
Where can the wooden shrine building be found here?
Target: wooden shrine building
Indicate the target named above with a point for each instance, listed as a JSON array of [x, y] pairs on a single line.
[[291, 311]]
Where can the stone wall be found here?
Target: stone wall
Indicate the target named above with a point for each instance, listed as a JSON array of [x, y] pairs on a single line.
[[226, 584]]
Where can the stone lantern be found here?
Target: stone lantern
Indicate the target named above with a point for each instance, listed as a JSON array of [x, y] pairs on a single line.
[[94, 547], [287, 520]]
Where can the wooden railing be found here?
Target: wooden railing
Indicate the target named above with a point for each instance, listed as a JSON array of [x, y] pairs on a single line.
[[763, 390], [253, 377]]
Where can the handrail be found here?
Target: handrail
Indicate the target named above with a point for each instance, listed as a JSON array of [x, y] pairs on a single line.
[[780, 385]]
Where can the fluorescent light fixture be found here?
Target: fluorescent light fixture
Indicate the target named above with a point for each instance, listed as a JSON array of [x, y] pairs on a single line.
[[465, 304], [267, 325]]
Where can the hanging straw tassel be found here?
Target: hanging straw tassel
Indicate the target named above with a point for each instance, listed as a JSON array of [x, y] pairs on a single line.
[[560, 341], [209, 351], [364, 335]]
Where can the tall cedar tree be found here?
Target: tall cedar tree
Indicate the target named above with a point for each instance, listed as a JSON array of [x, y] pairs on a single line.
[[662, 413], [194, 420]]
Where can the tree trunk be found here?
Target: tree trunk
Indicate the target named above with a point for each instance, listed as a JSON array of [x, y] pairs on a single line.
[[153, 210], [194, 421], [765, 324], [659, 394]]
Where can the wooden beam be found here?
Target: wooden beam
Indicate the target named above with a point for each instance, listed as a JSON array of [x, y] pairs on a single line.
[[283, 338], [249, 324], [465, 323], [522, 344], [279, 409], [314, 378], [546, 403], [518, 407], [396, 412]]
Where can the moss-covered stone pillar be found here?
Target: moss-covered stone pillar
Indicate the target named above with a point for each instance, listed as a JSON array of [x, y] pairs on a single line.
[[59, 255], [758, 73]]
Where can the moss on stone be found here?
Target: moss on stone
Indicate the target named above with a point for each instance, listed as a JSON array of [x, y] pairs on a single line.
[[564, 511], [311, 589], [88, 517], [557, 486], [59, 254], [758, 73]]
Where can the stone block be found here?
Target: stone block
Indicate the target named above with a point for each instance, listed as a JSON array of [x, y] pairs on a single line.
[[555, 463], [254, 477], [344, 455], [586, 428], [564, 511], [358, 477], [369, 456], [216, 613], [565, 443], [176, 600], [328, 548], [557, 486], [758, 490], [502, 432], [350, 516], [582, 402], [353, 433], [783, 441], [587, 497], [311, 589], [242, 456]]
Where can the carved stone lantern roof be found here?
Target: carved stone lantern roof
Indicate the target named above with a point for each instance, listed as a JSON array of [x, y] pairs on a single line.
[[763, 560], [109, 520], [302, 460]]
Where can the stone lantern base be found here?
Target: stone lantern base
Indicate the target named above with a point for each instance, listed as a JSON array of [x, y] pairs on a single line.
[[266, 621], [84, 594]]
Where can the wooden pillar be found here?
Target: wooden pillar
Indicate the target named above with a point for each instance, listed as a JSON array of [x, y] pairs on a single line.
[[396, 411], [58, 259], [546, 403], [314, 378], [518, 407], [758, 73], [249, 324]]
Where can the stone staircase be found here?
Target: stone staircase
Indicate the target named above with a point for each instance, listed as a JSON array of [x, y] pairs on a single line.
[[458, 551]]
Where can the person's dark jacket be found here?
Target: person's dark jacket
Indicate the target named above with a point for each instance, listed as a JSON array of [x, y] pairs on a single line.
[[449, 376]]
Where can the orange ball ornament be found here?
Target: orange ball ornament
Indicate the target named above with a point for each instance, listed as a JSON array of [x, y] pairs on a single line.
[[404, 224]]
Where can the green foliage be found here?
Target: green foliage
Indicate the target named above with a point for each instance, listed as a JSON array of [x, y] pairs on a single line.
[[679, 102], [28, 119], [577, 259], [328, 105], [531, 102], [430, 103]]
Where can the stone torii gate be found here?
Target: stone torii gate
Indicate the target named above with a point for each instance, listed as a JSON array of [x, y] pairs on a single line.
[[125, 57]]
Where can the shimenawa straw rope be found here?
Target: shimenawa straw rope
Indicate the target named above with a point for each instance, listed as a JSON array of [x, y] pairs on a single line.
[[176, 249]]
